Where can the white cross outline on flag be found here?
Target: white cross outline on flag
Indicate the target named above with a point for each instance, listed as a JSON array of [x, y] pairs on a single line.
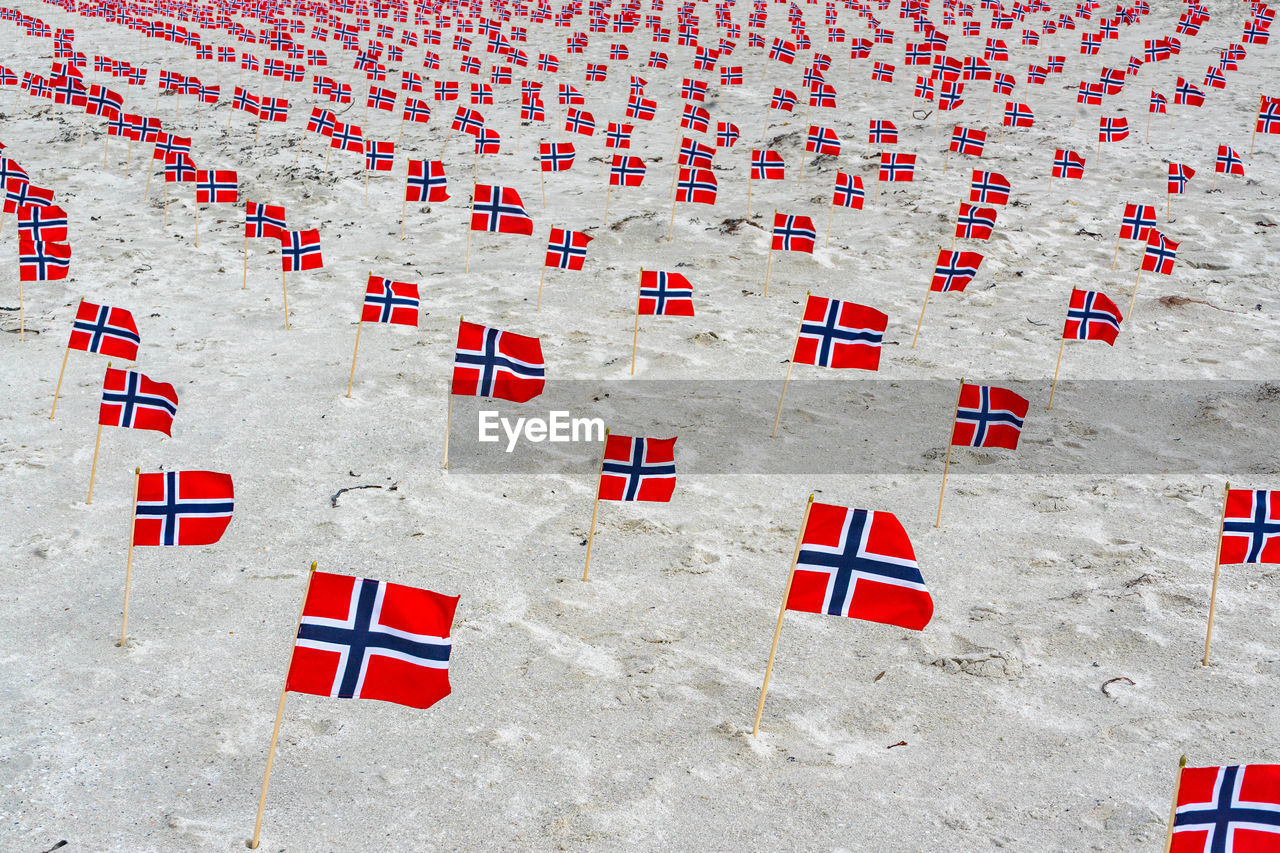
[[367, 625], [847, 576]]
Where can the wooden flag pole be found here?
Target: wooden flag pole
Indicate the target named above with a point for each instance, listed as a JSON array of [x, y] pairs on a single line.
[[22, 315], [945, 158], [352, 378], [787, 380], [876, 196], [782, 612], [800, 179], [672, 224], [591, 535], [252, 843], [93, 470], [197, 207], [1134, 297], [946, 466], [635, 335], [1115, 256], [920, 322], [366, 187], [608, 190], [542, 183], [57, 389], [541, 279], [448, 418], [1173, 809], [830, 216], [1217, 565], [128, 569], [768, 265], [765, 130], [748, 194], [284, 287], [245, 284], [128, 158], [467, 268], [1056, 368], [1148, 139]]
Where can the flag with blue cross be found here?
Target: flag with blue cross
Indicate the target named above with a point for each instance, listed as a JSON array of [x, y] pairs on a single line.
[[366, 639], [182, 508], [859, 563], [1232, 809], [130, 399], [988, 417], [387, 301], [1251, 527], [492, 363], [638, 469]]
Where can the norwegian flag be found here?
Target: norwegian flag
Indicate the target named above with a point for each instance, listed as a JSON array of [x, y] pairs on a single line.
[[882, 132], [182, 508], [1158, 103], [1268, 116], [1251, 527], [130, 399], [1067, 164], [492, 363], [767, 166], [217, 186], [663, 293], [783, 99], [695, 118], [387, 301], [849, 191], [897, 167], [580, 121], [626, 171], [379, 156], [793, 233], [488, 141], [859, 563], [1018, 115], [366, 639], [1235, 809], [500, 210], [783, 51], [467, 121], [1112, 129], [1137, 222], [822, 140], [839, 334], [1091, 316], [1185, 93], [988, 417], [556, 156], [264, 220], [42, 223], [106, 330], [637, 469], [20, 192], [618, 135], [426, 181], [567, 250], [696, 154], [954, 270], [1179, 175], [347, 137], [1160, 254], [40, 260], [322, 122], [727, 134], [416, 110], [178, 168], [1228, 162], [642, 109], [975, 223], [300, 250], [988, 187], [967, 141], [697, 186]]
